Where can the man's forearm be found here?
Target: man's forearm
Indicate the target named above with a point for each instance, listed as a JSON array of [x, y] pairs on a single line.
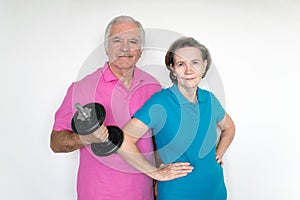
[[65, 141]]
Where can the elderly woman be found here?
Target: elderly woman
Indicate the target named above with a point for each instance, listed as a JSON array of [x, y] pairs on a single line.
[[184, 120]]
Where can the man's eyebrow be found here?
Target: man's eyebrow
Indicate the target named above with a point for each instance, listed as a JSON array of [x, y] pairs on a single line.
[[113, 37], [135, 39]]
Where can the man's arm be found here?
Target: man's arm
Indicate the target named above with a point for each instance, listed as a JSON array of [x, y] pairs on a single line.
[[133, 131], [64, 141], [227, 134], [67, 141]]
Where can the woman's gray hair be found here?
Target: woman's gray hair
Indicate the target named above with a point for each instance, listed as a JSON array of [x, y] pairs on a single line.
[[123, 18]]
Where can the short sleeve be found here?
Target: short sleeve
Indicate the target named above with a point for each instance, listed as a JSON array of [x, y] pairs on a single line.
[[152, 113], [218, 109], [64, 114]]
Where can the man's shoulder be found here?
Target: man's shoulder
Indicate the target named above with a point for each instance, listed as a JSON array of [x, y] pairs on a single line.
[[145, 76], [92, 77]]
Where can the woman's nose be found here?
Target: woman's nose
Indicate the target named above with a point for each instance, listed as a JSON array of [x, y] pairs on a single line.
[[188, 68]]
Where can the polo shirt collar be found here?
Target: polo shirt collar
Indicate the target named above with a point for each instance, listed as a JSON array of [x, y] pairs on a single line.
[[109, 76], [180, 99], [138, 76]]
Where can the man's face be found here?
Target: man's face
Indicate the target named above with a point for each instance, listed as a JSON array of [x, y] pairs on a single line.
[[124, 45]]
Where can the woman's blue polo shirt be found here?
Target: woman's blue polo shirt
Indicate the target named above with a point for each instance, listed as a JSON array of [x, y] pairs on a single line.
[[187, 132]]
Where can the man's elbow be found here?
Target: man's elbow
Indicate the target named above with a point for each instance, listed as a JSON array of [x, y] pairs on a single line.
[[54, 147], [54, 143]]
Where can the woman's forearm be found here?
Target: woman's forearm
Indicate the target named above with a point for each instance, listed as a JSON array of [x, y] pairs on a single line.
[[133, 131], [131, 154]]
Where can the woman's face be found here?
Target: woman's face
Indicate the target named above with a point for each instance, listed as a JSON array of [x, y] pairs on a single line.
[[188, 67]]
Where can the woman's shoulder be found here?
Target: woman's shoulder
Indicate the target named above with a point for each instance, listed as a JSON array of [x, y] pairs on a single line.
[[163, 93], [160, 97], [205, 93], [209, 96]]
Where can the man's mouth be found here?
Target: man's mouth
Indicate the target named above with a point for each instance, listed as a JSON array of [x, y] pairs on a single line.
[[125, 56]]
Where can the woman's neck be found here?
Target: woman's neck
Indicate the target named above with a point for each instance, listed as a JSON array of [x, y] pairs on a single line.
[[189, 93]]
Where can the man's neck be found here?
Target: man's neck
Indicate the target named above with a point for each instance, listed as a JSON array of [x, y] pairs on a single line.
[[124, 75]]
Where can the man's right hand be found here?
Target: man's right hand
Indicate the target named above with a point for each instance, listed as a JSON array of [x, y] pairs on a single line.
[[100, 135]]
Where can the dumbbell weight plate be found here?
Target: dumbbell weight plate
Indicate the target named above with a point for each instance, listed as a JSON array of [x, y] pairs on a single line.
[[114, 142], [93, 123]]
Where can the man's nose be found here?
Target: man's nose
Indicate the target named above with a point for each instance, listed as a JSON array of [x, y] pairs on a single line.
[[125, 46]]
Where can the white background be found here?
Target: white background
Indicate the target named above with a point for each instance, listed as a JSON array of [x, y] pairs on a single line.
[[254, 44]]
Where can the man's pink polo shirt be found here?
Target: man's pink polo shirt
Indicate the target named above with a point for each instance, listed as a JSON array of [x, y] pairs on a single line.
[[110, 177]]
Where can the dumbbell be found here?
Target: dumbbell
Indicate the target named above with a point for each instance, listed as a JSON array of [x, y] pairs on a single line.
[[88, 119]]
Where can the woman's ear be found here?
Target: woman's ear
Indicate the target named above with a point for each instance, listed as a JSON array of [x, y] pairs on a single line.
[[204, 66]]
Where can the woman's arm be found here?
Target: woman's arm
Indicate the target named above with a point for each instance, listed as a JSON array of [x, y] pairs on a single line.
[[133, 131], [227, 134]]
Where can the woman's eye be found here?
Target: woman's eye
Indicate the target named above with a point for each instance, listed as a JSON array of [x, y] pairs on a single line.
[[179, 64], [195, 62]]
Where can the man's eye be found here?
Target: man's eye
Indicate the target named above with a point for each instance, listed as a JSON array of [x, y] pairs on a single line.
[[133, 41], [115, 40]]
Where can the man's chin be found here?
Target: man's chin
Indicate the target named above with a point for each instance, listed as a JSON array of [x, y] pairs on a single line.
[[124, 64]]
